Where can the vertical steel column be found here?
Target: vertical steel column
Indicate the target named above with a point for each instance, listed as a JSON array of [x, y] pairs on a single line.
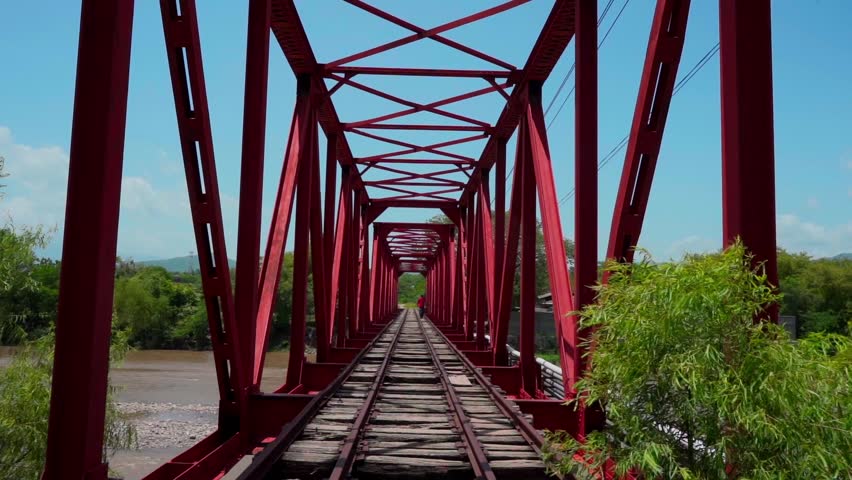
[[374, 279], [554, 245], [506, 287], [748, 149], [526, 342], [298, 151], [337, 307], [487, 249], [300, 262], [352, 270], [364, 303], [330, 190], [586, 154], [318, 244], [499, 219], [469, 223], [81, 362], [451, 278], [446, 246], [585, 180], [251, 175], [476, 271]]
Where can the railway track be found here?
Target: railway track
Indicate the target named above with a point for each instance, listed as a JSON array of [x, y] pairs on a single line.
[[410, 408]]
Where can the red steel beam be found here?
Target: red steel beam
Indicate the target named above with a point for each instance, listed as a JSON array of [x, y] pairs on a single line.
[[317, 250], [183, 50], [748, 153], [665, 46], [526, 340], [432, 33], [586, 154], [400, 126], [290, 33], [300, 261], [433, 148], [554, 245], [464, 164], [407, 103], [552, 41], [438, 103], [417, 72], [297, 149], [81, 361], [251, 174]]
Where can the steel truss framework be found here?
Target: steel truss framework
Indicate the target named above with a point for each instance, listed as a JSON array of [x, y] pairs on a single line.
[[469, 264]]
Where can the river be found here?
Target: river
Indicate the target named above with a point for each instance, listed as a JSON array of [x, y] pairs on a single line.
[[171, 397]]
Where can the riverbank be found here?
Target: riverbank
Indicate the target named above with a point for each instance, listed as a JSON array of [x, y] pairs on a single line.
[[172, 398]]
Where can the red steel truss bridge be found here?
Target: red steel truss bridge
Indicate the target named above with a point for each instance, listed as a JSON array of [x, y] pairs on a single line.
[[390, 395]]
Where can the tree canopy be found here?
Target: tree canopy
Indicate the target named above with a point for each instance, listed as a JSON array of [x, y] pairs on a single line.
[[694, 388]]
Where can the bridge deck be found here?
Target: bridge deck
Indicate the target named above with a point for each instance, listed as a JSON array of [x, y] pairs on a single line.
[[413, 408]]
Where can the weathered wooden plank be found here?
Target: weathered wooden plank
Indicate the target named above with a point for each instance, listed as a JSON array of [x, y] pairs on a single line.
[[408, 418], [393, 467], [519, 469], [445, 453]]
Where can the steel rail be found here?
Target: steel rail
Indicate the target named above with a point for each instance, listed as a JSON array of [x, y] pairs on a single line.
[[530, 434], [349, 450], [264, 461], [478, 460]]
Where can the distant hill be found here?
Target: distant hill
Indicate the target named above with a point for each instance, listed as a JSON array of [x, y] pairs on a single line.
[[843, 256], [180, 264]]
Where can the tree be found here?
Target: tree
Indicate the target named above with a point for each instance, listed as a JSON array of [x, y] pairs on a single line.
[[693, 388], [25, 302], [158, 312], [25, 405], [411, 286], [818, 292]]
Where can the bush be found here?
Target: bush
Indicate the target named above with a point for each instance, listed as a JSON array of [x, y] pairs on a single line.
[[693, 388], [25, 406]]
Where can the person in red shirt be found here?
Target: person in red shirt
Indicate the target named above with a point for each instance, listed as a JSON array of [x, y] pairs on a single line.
[[421, 304]]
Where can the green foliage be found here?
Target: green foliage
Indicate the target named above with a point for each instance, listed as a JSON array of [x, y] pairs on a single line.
[[159, 312], [411, 286], [25, 405], [279, 335], [692, 386], [28, 285], [817, 292]]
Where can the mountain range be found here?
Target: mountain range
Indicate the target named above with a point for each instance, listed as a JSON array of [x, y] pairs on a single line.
[[187, 263]]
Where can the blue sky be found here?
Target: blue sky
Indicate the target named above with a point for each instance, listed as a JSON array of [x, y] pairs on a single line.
[[813, 114]]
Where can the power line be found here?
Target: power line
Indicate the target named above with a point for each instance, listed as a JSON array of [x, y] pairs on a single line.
[[568, 97], [678, 86], [573, 67]]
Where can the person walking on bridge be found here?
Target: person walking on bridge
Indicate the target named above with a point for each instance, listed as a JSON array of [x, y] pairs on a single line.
[[421, 304]]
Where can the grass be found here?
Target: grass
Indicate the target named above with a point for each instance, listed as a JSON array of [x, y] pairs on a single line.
[[552, 357]]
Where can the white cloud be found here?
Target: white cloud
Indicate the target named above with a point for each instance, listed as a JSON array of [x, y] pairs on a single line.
[[691, 244], [812, 202], [139, 196], [797, 235], [35, 187], [153, 222]]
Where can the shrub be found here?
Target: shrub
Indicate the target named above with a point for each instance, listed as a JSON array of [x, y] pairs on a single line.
[[694, 388], [25, 406]]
